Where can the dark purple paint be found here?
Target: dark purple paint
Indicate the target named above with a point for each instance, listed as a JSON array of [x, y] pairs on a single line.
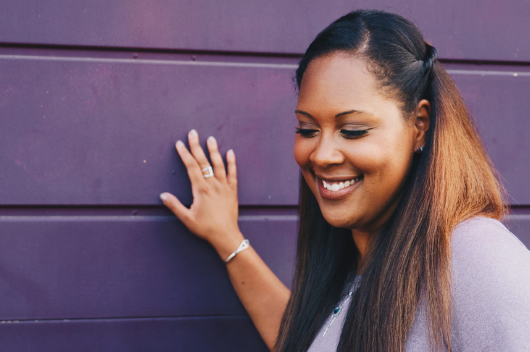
[[98, 267], [90, 109], [104, 132], [212, 334], [459, 29], [499, 102]]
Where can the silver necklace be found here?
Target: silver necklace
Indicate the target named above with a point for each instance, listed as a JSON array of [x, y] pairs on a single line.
[[338, 309]]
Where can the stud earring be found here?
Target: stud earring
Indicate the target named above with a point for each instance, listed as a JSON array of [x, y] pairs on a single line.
[[419, 150]]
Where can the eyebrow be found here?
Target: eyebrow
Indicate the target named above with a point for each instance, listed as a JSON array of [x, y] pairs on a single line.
[[336, 116]]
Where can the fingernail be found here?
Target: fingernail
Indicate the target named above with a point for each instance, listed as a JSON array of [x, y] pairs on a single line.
[[231, 152], [193, 133], [163, 196], [211, 139], [179, 143]]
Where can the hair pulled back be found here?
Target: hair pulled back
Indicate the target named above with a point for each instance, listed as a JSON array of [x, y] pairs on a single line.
[[409, 260]]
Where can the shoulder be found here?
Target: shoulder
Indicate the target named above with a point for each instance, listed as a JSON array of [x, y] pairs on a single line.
[[491, 286], [484, 233], [484, 246]]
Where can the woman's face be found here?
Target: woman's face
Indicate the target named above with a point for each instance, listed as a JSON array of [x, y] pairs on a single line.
[[355, 149]]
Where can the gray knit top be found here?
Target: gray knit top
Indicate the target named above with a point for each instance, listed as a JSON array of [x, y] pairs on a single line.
[[491, 294]]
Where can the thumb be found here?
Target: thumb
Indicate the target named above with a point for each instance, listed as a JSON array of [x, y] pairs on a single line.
[[172, 202]]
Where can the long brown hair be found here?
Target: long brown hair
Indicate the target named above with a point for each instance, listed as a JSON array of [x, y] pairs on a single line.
[[409, 260]]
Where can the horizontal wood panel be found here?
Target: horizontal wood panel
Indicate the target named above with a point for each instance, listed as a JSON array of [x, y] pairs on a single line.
[[215, 334], [100, 267], [499, 103], [79, 267], [89, 132], [101, 131], [495, 30]]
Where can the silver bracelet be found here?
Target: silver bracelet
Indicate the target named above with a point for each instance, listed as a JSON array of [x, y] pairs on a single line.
[[244, 245]]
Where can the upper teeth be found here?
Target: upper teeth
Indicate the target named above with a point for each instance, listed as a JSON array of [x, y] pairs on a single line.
[[335, 186]]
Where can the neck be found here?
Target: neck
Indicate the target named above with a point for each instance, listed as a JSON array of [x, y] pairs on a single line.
[[362, 241], [362, 237]]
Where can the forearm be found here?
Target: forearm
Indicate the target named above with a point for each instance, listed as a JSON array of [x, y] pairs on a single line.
[[262, 294], [213, 216]]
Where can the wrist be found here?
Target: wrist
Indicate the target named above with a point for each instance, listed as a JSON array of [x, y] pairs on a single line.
[[226, 245], [245, 244]]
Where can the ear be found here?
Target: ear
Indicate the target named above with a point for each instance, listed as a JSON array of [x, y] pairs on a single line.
[[421, 122]]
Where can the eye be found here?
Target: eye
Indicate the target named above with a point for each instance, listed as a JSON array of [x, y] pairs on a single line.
[[353, 134], [309, 133], [306, 132]]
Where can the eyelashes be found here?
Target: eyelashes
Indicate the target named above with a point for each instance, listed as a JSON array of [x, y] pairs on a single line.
[[308, 133], [353, 134]]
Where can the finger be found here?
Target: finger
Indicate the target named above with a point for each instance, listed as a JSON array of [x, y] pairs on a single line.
[[217, 161], [196, 149], [193, 168], [232, 170], [183, 213]]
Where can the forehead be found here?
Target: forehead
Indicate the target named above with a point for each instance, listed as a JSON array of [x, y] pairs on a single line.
[[340, 82]]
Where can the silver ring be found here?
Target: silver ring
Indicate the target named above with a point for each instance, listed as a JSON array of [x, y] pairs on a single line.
[[210, 172]]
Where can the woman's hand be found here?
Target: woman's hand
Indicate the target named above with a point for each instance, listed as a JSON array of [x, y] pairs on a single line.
[[213, 217], [214, 213]]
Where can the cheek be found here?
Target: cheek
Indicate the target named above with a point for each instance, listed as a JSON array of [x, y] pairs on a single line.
[[386, 168], [302, 151], [383, 161], [366, 157]]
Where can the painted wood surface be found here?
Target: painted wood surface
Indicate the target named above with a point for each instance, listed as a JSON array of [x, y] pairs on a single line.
[[471, 30], [78, 267], [212, 334], [93, 96], [102, 131]]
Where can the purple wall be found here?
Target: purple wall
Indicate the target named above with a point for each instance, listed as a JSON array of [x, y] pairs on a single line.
[[93, 97]]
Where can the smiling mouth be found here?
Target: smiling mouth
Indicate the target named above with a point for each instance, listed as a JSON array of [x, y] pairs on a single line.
[[336, 186]]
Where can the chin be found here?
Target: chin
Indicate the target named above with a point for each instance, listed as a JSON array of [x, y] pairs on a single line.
[[340, 222]]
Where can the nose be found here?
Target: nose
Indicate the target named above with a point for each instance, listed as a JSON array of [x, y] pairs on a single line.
[[326, 153]]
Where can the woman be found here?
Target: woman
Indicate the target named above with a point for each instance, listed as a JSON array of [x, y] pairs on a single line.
[[399, 244]]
